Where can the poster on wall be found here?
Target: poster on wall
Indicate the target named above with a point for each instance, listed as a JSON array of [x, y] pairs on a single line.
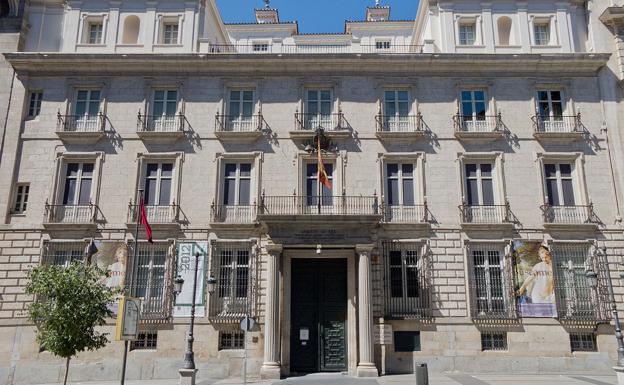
[[185, 268], [112, 257], [535, 289]]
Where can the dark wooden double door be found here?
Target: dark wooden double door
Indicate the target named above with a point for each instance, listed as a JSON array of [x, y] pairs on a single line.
[[318, 338]]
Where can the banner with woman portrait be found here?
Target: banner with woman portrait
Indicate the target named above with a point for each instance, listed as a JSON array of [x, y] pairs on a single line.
[[535, 289], [111, 256]]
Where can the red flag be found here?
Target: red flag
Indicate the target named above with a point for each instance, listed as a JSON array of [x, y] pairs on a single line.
[[145, 223], [322, 174]]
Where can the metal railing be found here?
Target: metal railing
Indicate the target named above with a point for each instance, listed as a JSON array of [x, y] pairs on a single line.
[[269, 48], [328, 122], [236, 123], [160, 123], [313, 205], [557, 124], [408, 123], [477, 124], [405, 213], [484, 213], [577, 214], [81, 123], [234, 214], [159, 214], [70, 214]]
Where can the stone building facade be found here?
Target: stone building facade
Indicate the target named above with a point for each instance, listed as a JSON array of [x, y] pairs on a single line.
[[473, 154]]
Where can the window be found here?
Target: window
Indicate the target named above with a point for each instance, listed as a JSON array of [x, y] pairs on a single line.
[[170, 32], [34, 104], [77, 184], [473, 105], [467, 33], [493, 341], [148, 279], [86, 111], [145, 341], [232, 264], [382, 44], [5, 8], [541, 32], [396, 110], [63, 253], [95, 32], [241, 104], [21, 198], [400, 184], [314, 189], [406, 284], [574, 297], [165, 102], [260, 47], [231, 339], [583, 342], [406, 341], [559, 184], [237, 184], [158, 183], [550, 105], [490, 284], [319, 108], [479, 184]]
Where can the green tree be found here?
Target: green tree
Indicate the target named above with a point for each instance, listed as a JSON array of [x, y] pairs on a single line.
[[70, 303]]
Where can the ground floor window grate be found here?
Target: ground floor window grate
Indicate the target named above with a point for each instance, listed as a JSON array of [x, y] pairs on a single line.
[[63, 253], [145, 341], [493, 341], [231, 339], [583, 342]]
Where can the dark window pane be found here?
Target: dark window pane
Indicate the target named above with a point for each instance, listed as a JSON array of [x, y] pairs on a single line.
[[70, 192], [486, 170], [553, 192], [471, 170], [392, 169], [152, 170], [245, 169], [550, 170], [230, 170], [229, 192], [565, 169], [472, 192], [568, 192], [85, 192], [167, 169], [72, 169], [150, 192], [244, 192], [87, 169], [408, 192], [407, 341], [165, 192], [311, 169], [488, 192], [393, 192], [408, 169]]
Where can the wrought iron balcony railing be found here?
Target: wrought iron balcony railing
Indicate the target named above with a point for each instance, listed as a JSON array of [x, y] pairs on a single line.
[[81, 123], [314, 205], [70, 214], [328, 122], [234, 214], [393, 123], [477, 124], [160, 123], [236, 123], [485, 214], [577, 214], [405, 213], [557, 124], [156, 214]]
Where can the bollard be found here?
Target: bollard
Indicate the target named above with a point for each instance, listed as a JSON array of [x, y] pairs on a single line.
[[421, 372]]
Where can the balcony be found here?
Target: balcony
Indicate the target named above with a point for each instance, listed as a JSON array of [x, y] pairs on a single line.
[[80, 129], [558, 128], [569, 217], [321, 49], [478, 128], [239, 128], [234, 215], [405, 215], [70, 216], [485, 216], [399, 128], [311, 208], [161, 216], [334, 126], [160, 128]]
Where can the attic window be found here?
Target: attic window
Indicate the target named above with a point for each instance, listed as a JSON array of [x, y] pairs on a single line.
[[260, 47], [382, 44]]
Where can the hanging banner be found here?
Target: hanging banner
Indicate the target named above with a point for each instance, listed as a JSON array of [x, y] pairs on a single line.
[[112, 257], [535, 288], [186, 268]]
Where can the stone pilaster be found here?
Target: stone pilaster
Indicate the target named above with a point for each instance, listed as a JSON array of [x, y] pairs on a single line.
[[271, 363], [366, 366]]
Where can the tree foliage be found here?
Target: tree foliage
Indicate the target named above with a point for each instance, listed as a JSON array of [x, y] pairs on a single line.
[[71, 302]]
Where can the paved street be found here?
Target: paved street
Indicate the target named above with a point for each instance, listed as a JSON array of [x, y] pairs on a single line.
[[434, 379]]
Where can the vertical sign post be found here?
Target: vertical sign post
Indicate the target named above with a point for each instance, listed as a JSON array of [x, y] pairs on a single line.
[[246, 325], [127, 326]]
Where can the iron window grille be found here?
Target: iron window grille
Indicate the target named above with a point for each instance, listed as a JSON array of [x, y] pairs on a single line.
[[583, 342], [493, 341], [149, 278], [233, 265], [231, 339], [491, 281], [407, 281], [145, 341], [63, 253], [576, 300]]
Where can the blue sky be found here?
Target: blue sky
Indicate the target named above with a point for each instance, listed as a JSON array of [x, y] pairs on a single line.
[[314, 15]]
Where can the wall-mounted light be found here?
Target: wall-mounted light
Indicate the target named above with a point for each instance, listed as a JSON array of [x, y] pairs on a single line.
[[318, 248]]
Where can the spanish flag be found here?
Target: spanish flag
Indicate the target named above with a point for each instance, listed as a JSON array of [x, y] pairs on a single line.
[[322, 174]]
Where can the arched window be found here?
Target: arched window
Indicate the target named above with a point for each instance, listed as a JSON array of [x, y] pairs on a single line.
[[132, 26], [504, 30], [5, 9]]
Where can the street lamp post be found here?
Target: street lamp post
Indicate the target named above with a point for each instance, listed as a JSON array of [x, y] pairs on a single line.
[[592, 280]]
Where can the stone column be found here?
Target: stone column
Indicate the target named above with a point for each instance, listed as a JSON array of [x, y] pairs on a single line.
[[271, 365], [366, 365]]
